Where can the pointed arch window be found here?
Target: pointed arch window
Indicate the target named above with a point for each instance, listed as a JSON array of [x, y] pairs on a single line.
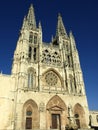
[[67, 48], [30, 80], [30, 52], [34, 56], [35, 39], [31, 37], [31, 83]]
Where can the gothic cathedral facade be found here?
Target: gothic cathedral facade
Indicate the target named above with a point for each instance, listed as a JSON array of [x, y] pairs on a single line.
[[46, 88]]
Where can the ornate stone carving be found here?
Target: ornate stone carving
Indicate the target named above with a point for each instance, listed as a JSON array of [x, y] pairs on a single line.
[[41, 107], [51, 57]]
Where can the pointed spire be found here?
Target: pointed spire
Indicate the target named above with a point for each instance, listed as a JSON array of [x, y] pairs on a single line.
[[31, 17], [72, 39], [60, 27], [40, 26], [71, 34], [24, 23]]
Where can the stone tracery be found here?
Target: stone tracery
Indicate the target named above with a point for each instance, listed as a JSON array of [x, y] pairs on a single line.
[[49, 57], [52, 81], [51, 78]]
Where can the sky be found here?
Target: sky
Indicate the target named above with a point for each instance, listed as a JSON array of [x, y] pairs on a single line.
[[80, 16]]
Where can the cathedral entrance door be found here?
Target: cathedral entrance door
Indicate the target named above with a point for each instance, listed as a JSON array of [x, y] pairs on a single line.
[[78, 123], [56, 123], [28, 123]]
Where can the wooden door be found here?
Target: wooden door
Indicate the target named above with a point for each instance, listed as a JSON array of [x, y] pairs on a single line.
[[28, 123], [56, 123], [78, 123]]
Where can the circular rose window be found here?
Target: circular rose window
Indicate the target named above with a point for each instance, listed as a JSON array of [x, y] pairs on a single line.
[[51, 78]]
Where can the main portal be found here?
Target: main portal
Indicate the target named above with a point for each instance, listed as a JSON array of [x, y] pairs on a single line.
[[56, 121]]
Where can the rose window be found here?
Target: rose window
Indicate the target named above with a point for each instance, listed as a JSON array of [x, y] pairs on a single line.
[[51, 78]]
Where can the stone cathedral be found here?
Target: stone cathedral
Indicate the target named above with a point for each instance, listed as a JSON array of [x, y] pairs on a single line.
[[46, 88]]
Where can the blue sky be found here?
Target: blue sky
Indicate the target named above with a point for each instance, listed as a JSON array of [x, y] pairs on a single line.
[[80, 16]]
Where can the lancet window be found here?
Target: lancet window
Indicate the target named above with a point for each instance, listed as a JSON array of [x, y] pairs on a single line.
[[30, 52], [34, 56], [31, 37], [35, 39], [31, 78], [69, 61]]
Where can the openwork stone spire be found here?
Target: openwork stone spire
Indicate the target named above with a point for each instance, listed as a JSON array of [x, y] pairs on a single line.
[[31, 17], [60, 31], [72, 39]]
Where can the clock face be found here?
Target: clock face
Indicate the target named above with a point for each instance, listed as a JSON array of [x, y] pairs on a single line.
[[51, 78]]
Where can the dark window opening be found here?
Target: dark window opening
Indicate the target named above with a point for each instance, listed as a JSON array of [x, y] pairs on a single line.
[[31, 37], [69, 63], [67, 48], [55, 42], [35, 39], [34, 54], [30, 52], [46, 51]]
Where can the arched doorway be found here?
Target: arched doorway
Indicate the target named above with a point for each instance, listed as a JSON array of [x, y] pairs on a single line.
[[77, 120], [30, 115], [56, 113], [28, 124], [79, 116]]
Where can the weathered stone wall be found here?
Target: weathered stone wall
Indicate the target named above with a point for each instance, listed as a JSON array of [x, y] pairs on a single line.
[[93, 116], [12, 105], [6, 101]]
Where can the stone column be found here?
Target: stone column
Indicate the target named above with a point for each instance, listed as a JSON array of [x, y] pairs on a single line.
[[42, 116]]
